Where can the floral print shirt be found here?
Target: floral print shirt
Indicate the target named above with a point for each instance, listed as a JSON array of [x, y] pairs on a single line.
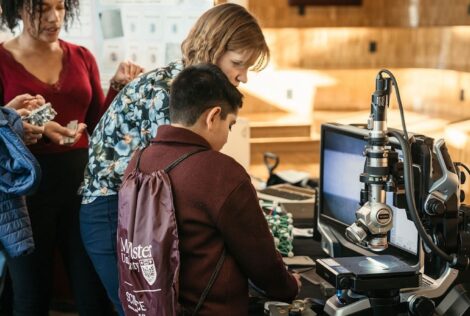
[[130, 122]]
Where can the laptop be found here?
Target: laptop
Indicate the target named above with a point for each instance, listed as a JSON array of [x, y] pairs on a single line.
[[300, 202]]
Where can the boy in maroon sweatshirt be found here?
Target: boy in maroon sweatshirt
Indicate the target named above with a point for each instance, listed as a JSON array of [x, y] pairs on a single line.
[[216, 205]]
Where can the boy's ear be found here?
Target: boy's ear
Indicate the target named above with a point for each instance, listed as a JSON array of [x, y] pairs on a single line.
[[213, 114]]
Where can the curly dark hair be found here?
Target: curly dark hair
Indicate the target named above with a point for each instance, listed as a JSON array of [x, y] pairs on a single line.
[[10, 17]]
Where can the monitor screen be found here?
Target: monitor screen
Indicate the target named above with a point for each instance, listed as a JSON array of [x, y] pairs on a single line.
[[342, 162]]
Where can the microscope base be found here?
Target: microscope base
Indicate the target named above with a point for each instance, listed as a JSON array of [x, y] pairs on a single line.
[[334, 307]]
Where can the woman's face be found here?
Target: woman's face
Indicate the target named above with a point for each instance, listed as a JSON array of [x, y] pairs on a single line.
[[47, 21], [235, 65]]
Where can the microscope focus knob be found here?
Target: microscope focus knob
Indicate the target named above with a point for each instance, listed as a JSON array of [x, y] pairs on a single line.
[[435, 207], [356, 233], [344, 283], [422, 306], [462, 177]]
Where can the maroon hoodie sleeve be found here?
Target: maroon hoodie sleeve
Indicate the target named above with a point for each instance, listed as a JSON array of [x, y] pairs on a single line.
[[249, 241]]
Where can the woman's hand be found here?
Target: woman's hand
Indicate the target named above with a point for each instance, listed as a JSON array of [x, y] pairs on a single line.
[[26, 101], [56, 133], [32, 133], [127, 71]]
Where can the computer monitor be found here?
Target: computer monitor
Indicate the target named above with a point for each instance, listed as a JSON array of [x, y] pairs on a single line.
[[342, 162]]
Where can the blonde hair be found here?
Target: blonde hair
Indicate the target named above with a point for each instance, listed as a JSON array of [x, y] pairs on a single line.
[[225, 27]]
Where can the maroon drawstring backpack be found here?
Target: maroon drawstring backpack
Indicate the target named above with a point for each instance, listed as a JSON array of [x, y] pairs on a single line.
[[147, 245]]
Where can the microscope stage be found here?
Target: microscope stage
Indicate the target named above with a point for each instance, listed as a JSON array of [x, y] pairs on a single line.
[[367, 273]]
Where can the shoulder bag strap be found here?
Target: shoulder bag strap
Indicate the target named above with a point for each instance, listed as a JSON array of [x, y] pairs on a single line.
[[137, 165], [180, 159], [222, 256], [211, 282], [171, 165]]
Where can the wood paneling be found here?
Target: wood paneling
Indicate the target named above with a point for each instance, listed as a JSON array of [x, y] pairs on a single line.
[[406, 13], [423, 42], [290, 149], [438, 93], [433, 92], [346, 48], [253, 104], [276, 130]]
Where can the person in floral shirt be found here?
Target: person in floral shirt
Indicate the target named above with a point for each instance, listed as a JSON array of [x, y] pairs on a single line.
[[226, 35]]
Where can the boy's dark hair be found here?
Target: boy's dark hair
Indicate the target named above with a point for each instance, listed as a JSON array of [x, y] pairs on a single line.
[[10, 17], [198, 88]]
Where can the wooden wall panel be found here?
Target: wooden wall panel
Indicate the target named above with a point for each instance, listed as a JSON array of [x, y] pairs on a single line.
[[437, 93], [404, 13], [344, 48]]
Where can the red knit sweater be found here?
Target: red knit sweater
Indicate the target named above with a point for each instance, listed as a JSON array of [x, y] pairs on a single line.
[[76, 96]]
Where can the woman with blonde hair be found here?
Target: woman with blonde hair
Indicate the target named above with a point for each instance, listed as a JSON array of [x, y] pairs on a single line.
[[226, 28], [226, 35]]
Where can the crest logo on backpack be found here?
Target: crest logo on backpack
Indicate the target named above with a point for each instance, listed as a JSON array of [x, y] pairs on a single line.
[[147, 266], [139, 258]]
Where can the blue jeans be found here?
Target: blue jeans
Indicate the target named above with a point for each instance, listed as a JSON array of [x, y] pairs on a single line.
[[98, 226]]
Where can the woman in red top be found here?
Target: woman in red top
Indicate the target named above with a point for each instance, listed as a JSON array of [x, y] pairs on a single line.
[[66, 75]]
